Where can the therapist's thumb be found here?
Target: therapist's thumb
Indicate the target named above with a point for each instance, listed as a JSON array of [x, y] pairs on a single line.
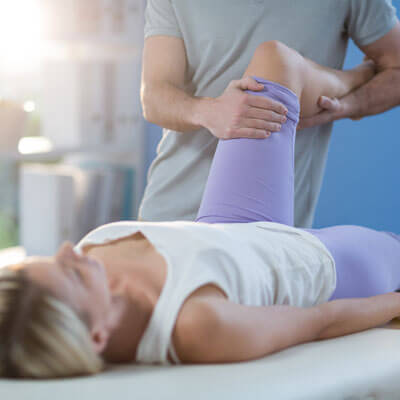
[[248, 83], [328, 103]]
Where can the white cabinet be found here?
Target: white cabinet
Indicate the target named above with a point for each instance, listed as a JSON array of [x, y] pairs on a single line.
[[68, 19], [93, 19], [124, 19], [128, 122], [66, 201], [91, 84], [93, 103], [47, 208], [73, 103], [90, 104]]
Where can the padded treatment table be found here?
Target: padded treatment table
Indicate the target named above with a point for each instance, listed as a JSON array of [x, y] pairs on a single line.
[[364, 365]]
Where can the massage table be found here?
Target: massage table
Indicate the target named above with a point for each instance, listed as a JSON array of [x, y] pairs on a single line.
[[363, 365]]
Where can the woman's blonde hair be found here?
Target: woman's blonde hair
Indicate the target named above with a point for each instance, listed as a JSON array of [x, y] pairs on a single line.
[[40, 336]]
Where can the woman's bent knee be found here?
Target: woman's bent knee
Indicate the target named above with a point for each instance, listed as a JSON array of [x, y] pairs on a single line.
[[279, 53], [275, 61]]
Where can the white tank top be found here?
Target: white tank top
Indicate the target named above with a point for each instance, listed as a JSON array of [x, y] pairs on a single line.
[[257, 264]]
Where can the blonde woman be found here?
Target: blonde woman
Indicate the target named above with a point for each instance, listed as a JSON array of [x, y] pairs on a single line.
[[238, 284]]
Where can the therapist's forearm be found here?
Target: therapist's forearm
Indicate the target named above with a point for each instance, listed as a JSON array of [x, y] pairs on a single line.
[[380, 94], [172, 108]]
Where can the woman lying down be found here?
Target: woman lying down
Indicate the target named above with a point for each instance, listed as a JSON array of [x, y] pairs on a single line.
[[238, 284]]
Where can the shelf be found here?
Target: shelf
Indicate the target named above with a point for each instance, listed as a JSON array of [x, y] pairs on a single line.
[[96, 49], [59, 153]]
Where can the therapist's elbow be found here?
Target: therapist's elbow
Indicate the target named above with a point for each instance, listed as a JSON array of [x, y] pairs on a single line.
[[148, 106]]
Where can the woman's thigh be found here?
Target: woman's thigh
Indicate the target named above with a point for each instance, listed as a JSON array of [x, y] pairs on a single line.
[[253, 179], [367, 261]]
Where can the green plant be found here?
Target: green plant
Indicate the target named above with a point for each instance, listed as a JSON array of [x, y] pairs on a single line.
[[8, 231]]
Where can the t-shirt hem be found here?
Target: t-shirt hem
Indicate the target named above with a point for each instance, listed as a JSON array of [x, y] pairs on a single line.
[[328, 256], [166, 32]]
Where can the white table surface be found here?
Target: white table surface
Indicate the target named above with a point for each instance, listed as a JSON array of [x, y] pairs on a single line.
[[365, 365]]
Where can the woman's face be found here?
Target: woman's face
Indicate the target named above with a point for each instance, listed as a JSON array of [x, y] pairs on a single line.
[[80, 281]]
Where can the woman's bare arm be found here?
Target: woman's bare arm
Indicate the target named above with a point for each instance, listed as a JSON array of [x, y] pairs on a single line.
[[215, 330], [357, 314]]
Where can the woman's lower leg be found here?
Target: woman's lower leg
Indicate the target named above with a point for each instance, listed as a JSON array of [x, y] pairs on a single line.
[[277, 62]]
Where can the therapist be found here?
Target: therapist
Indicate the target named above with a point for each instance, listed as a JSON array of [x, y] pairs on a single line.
[[194, 53]]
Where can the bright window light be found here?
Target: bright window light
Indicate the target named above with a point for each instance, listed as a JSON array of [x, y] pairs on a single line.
[[20, 34], [11, 256], [29, 106], [32, 145]]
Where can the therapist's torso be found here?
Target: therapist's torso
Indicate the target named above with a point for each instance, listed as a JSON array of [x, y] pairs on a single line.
[[220, 38]]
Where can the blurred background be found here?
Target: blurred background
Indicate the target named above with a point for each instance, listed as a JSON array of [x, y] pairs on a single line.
[[72, 142], [75, 149]]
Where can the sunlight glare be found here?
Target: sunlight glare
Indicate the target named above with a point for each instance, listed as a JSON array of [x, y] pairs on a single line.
[[20, 34], [29, 106]]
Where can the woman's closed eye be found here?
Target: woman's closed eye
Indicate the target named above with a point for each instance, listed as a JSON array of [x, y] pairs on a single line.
[[75, 272], [78, 273]]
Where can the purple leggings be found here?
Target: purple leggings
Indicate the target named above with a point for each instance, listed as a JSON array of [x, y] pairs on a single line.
[[253, 180]]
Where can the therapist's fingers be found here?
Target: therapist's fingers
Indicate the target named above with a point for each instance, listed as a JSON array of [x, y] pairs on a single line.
[[328, 103], [331, 110], [248, 83], [266, 115], [261, 124], [250, 133], [266, 103]]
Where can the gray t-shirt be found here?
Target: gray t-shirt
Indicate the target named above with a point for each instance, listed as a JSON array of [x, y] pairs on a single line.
[[220, 37]]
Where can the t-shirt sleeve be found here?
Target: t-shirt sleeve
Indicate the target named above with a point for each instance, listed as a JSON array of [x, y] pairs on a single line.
[[369, 20], [160, 19]]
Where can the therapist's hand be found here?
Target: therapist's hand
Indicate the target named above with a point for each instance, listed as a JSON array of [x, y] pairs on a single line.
[[238, 114], [333, 110]]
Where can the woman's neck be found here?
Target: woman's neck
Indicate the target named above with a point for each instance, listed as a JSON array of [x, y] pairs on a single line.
[[136, 274], [130, 326]]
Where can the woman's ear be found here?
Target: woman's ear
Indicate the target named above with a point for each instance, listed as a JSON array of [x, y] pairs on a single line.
[[100, 337], [67, 251]]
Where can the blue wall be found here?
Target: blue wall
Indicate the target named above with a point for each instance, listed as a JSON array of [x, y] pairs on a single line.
[[362, 180]]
